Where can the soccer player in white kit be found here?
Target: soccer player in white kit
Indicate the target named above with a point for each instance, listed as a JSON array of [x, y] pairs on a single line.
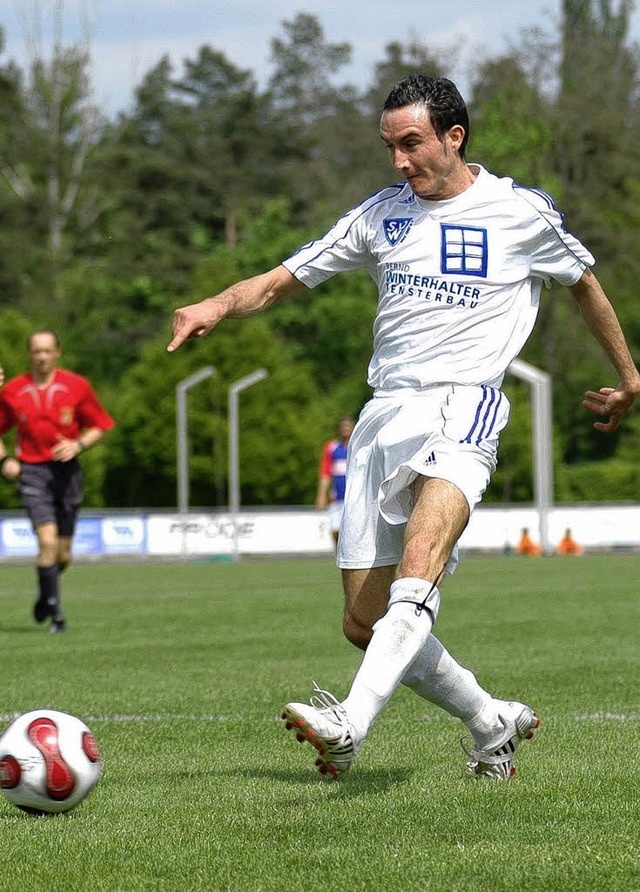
[[459, 257]]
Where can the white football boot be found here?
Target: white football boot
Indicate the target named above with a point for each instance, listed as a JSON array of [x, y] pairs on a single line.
[[325, 725], [496, 759]]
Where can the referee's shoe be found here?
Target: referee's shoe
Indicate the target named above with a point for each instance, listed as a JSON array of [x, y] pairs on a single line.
[[58, 624]]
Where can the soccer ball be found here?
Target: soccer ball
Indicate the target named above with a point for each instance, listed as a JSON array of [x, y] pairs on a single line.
[[49, 761]]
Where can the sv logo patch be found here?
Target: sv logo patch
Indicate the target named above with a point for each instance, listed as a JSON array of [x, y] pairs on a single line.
[[396, 229]]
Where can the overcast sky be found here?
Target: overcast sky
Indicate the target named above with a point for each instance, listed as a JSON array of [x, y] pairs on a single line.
[[128, 37]]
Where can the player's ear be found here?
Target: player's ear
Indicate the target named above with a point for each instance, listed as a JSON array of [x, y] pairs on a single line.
[[456, 135]]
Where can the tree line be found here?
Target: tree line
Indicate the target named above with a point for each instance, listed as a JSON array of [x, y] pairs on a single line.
[[106, 225]]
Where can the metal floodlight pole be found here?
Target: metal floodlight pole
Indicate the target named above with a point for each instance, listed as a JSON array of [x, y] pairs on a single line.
[[234, 462], [182, 435], [542, 422]]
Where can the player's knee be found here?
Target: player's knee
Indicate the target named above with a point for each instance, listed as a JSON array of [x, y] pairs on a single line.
[[64, 557], [47, 553], [355, 632]]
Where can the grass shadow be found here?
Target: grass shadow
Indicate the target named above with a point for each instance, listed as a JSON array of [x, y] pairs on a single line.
[[354, 783]]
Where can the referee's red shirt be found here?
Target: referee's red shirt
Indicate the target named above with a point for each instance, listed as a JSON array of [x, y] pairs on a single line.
[[44, 415]]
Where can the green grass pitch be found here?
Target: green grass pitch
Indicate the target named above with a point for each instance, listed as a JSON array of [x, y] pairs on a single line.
[[181, 670]]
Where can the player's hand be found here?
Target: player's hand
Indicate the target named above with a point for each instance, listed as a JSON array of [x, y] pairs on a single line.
[[610, 402], [11, 469], [194, 321], [1, 377], [65, 450]]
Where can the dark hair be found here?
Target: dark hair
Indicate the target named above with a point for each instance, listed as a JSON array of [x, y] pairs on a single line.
[[440, 96]]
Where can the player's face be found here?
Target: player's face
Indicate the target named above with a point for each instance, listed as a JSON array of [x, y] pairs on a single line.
[[345, 429], [44, 353], [432, 167]]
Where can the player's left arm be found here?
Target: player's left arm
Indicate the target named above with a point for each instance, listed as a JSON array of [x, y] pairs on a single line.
[[93, 420], [91, 437], [601, 319], [66, 449]]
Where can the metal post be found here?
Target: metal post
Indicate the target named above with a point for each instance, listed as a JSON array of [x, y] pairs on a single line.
[[542, 423], [234, 463], [183, 441]]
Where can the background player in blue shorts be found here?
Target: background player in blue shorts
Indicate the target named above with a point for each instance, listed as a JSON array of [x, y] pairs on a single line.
[[332, 475]]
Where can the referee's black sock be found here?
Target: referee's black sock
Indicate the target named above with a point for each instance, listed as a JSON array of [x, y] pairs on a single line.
[[48, 585]]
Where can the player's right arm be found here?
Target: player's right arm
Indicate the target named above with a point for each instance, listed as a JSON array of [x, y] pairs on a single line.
[[239, 301], [9, 467]]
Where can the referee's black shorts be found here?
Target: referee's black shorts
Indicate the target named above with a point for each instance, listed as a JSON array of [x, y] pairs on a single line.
[[51, 492]]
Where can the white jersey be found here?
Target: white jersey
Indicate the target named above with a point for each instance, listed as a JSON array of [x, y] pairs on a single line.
[[459, 280]]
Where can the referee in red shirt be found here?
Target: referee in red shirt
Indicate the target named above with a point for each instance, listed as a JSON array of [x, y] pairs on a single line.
[[57, 416]]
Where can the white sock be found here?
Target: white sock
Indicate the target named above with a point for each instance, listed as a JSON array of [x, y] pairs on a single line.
[[397, 640], [436, 676]]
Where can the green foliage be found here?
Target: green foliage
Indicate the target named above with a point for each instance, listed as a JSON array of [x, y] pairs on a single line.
[[107, 226], [304, 62], [111, 316], [519, 146], [14, 331], [14, 334], [610, 480], [332, 329], [512, 480], [281, 421]]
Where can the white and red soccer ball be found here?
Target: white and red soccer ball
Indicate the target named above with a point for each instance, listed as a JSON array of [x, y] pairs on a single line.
[[49, 761]]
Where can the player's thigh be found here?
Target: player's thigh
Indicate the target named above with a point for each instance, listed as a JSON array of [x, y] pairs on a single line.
[[366, 595], [35, 486]]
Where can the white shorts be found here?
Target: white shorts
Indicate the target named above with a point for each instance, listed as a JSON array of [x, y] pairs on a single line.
[[335, 512], [448, 432]]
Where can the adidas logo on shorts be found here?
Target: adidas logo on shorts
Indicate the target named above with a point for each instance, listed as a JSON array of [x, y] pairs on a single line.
[[430, 459]]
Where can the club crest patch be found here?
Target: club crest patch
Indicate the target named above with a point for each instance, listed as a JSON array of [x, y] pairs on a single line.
[[396, 229]]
